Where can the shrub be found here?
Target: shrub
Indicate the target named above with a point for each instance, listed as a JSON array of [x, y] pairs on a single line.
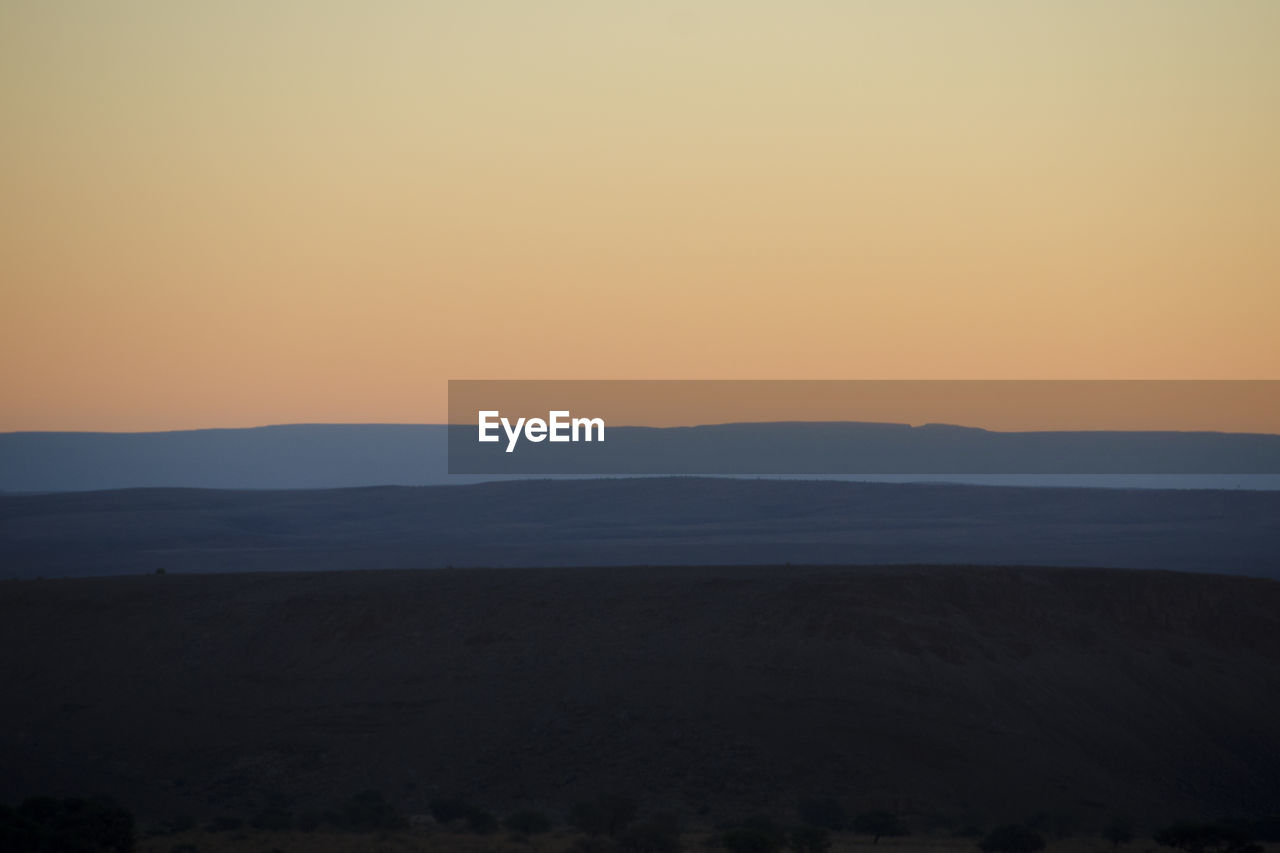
[[594, 844], [1207, 838], [826, 813], [43, 823], [180, 823], [369, 811], [274, 816], [1057, 824], [1118, 831], [481, 822], [749, 839], [1264, 829], [453, 809], [608, 815], [878, 824], [449, 809], [757, 834], [1012, 839], [528, 822], [659, 834], [810, 839]]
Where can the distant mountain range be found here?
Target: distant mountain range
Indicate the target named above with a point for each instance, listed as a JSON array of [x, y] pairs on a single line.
[[824, 448], [293, 456], [302, 456]]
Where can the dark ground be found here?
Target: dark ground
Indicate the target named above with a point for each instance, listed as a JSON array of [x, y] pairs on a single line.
[[934, 691]]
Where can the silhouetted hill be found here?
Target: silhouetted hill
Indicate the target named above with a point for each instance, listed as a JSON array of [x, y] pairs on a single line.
[[292, 456], [305, 456], [935, 691], [635, 522], [799, 448]]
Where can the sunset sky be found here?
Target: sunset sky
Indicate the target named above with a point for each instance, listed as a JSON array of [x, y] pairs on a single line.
[[241, 213]]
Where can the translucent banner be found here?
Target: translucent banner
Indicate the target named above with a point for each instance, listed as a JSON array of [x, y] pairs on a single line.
[[820, 427]]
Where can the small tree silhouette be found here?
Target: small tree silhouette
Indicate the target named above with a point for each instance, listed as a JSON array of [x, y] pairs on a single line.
[[1012, 839], [608, 815], [528, 822], [824, 812], [369, 811], [879, 823], [751, 839], [1118, 831], [594, 844], [1207, 838], [447, 809], [274, 816], [481, 821], [659, 834], [810, 839], [43, 823]]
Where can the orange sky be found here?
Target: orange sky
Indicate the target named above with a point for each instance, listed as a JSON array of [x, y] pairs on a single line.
[[240, 213]]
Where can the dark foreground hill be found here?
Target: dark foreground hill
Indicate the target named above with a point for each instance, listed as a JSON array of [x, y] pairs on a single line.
[[657, 521], [940, 691]]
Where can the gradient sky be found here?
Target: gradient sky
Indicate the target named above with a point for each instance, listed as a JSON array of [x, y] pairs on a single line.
[[237, 213]]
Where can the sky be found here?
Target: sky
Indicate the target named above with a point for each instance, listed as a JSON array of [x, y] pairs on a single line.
[[241, 213]]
